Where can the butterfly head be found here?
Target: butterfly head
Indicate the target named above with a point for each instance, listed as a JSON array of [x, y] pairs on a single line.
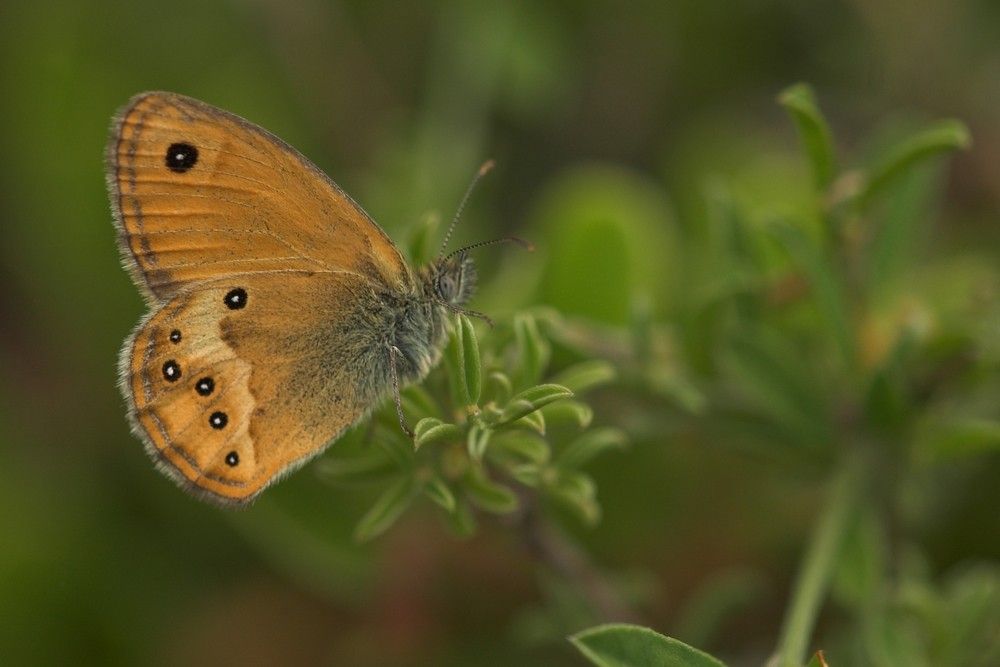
[[453, 279]]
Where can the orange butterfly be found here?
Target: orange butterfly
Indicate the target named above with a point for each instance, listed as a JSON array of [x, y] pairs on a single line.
[[280, 313]]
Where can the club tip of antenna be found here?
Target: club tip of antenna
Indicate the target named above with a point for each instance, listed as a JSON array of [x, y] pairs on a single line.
[[486, 167], [526, 245]]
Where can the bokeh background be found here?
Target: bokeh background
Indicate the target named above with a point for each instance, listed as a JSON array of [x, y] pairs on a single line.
[[632, 110]]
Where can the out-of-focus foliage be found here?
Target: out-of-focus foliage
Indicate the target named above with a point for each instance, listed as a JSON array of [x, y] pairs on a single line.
[[793, 318]]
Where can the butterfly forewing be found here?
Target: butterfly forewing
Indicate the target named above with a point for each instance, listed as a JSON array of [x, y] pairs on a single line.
[[200, 193]]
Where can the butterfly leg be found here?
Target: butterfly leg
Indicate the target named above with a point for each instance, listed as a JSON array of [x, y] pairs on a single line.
[[471, 313], [393, 352]]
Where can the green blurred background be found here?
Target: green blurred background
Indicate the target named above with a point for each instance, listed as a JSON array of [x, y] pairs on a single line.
[[609, 122]]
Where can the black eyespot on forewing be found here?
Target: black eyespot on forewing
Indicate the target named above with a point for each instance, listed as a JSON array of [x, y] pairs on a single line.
[[181, 157], [171, 371], [175, 336], [236, 298], [218, 420], [232, 459], [205, 386]]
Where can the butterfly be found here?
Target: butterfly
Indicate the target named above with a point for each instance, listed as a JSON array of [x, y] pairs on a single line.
[[279, 314]]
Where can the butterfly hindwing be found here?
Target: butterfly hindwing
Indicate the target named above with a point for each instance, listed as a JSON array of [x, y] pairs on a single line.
[[201, 194], [235, 381]]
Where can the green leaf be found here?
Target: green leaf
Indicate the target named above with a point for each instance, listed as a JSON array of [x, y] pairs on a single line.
[[487, 494], [818, 660], [437, 490], [778, 385], [477, 441], [543, 394], [814, 132], [528, 474], [518, 447], [371, 463], [859, 578], [941, 137], [417, 403], [568, 412], [590, 445], [472, 367], [533, 350], [394, 443], [532, 399], [826, 288], [386, 510], [462, 521], [957, 438], [586, 375], [421, 243], [455, 366], [514, 410], [622, 645], [577, 493], [498, 387], [432, 429], [533, 421]]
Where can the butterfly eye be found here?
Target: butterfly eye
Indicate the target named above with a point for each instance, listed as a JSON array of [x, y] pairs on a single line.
[[232, 459], [175, 336], [181, 157], [445, 287], [236, 298], [218, 420], [171, 371]]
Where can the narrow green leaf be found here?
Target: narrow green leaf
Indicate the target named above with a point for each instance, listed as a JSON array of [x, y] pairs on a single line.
[[533, 421], [462, 521], [516, 409], [455, 366], [394, 443], [577, 493], [372, 463], [823, 280], [532, 399], [533, 350], [432, 429], [519, 447], [818, 660], [477, 441], [386, 510], [957, 438], [777, 386], [437, 490], [568, 412], [589, 445], [470, 359], [417, 403], [941, 137], [498, 387], [421, 243], [487, 494], [622, 645], [528, 474], [586, 375], [814, 132]]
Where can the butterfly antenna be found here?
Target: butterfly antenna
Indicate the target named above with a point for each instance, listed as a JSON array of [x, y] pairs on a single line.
[[483, 170], [506, 239]]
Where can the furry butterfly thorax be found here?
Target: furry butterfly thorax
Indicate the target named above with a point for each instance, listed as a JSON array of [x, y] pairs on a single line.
[[280, 312]]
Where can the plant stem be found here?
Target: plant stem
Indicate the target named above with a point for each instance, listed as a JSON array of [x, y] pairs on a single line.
[[555, 550], [817, 566]]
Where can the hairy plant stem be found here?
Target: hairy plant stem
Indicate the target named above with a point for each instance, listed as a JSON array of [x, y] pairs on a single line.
[[551, 547], [845, 496]]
